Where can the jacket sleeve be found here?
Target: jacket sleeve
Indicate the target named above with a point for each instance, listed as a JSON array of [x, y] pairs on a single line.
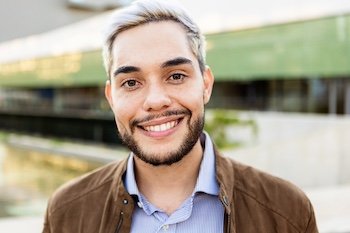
[[311, 226], [46, 228]]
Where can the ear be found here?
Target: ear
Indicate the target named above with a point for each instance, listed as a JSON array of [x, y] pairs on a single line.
[[108, 93], [208, 84]]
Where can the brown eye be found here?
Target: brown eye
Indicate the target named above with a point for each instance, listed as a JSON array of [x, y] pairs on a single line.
[[130, 83], [177, 78]]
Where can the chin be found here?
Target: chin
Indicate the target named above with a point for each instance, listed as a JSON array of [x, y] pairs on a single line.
[[161, 160]]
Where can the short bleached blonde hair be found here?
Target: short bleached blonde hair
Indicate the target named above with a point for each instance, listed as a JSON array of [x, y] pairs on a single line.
[[146, 11]]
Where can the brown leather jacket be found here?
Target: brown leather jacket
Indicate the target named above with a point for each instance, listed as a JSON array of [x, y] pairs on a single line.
[[254, 202]]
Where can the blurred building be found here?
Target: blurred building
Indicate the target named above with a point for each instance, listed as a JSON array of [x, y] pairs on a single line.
[[286, 55], [21, 18]]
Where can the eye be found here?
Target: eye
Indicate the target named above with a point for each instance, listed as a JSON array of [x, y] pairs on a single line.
[[177, 78], [130, 84]]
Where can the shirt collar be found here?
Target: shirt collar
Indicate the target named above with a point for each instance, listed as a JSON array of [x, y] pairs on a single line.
[[130, 182], [206, 181]]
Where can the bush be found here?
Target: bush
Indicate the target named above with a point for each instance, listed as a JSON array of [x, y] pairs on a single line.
[[221, 125]]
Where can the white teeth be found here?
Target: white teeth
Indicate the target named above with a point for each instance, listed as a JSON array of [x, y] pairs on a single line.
[[162, 127]]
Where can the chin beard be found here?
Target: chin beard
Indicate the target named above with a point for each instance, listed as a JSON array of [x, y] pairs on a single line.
[[173, 156]]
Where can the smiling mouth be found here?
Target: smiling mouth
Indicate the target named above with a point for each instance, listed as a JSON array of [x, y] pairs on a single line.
[[161, 127]]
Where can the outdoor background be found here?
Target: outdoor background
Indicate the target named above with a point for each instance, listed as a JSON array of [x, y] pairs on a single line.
[[281, 101]]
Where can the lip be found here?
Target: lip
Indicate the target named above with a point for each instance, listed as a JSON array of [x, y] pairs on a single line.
[[158, 122]]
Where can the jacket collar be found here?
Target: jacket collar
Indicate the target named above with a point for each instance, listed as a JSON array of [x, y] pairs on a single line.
[[118, 189], [225, 176]]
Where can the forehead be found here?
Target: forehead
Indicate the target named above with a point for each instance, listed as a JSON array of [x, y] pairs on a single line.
[[151, 42]]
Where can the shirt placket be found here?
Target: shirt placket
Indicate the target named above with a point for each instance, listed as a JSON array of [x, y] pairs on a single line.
[[178, 216], [168, 228]]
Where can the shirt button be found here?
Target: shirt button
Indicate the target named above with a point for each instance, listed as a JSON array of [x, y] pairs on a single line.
[[165, 227], [140, 204]]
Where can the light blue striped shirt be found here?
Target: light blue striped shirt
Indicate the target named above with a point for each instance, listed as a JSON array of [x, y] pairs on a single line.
[[200, 213]]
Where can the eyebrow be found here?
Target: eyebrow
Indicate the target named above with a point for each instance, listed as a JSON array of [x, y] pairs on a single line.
[[126, 70], [176, 61], [172, 62]]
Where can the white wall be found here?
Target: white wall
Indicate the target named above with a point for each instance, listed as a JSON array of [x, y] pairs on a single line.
[[309, 150]]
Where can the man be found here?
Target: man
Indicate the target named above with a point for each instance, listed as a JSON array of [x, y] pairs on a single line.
[[174, 179]]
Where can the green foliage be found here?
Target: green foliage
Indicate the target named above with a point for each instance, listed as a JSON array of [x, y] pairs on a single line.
[[3, 136], [220, 122]]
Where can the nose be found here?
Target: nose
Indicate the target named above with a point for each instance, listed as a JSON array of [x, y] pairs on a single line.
[[157, 98]]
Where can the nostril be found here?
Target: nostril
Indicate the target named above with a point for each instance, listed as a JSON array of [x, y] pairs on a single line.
[[157, 101]]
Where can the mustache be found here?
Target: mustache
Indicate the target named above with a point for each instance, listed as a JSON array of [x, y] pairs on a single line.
[[135, 122]]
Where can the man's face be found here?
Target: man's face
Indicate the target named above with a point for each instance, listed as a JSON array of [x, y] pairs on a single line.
[[157, 92]]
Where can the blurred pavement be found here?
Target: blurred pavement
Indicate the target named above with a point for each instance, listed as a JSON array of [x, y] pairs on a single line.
[[21, 225], [332, 208]]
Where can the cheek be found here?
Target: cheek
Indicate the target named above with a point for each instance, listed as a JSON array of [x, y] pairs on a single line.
[[125, 108], [193, 96], [120, 109], [192, 101], [122, 119]]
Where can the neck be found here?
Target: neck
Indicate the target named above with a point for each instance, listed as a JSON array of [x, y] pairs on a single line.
[[168, 186]]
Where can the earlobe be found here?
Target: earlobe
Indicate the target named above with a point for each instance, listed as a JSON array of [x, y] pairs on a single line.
[[208, 84]]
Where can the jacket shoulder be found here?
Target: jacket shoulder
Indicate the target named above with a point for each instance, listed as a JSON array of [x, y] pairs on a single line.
[[271, 196], [81, 187]]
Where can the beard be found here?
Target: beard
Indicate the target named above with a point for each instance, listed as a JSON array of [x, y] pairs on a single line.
[[177, 154]]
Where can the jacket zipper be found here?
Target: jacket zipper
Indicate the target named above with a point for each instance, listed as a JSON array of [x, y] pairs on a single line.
[[228, 226], [227, 216], [120, 222]]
